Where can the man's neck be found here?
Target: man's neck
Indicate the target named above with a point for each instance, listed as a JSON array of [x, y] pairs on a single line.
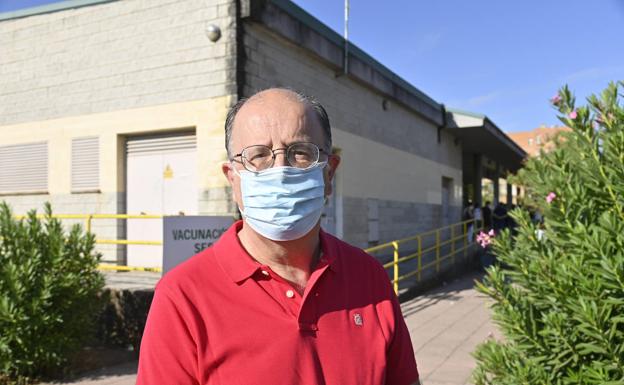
[[291, 260]]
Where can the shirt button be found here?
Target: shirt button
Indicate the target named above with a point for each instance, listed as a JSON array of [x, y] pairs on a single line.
[[290, 293], [264, 272]]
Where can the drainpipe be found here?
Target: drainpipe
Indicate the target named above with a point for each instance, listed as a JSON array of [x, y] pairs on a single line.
[[346, 37], [444, 122]]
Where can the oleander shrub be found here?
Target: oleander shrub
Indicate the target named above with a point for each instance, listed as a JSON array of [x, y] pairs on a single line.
[[49, 285], [558, 297]]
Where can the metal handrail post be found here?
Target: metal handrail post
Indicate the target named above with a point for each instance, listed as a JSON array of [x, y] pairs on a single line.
[[419, 257], [396, 267], [438, 251], [465, 239], [453, 244]]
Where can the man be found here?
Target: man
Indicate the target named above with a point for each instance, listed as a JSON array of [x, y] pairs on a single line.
[[487, 215], [499, 217], [276, 300], [478, 215]]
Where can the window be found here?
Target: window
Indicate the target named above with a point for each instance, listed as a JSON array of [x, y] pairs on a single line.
[[85, 164], [24, 168]]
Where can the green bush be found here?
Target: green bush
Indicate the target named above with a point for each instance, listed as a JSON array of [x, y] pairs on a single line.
[[49, 287], [558, 299]]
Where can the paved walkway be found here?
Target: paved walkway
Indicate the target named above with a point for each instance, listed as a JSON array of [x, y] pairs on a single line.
[[445, 324]]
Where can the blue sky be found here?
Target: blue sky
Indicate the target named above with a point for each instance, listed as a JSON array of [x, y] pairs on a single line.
[[501, 58], [504, 59]]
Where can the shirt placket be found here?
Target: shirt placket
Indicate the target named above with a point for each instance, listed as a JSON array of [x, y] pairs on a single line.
[[303, 309], [308, 311]]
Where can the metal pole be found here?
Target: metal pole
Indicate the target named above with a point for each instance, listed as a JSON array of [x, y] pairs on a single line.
[[453, 243], [419, 257], [465, 239], [346, 37], [438, 250], [396, 267]]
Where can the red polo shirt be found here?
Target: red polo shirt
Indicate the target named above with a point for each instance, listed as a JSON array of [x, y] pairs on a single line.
[[223, 318]]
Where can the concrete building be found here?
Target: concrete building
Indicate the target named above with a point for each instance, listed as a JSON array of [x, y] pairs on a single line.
[[538, 139], [118, 107], [488, 156]]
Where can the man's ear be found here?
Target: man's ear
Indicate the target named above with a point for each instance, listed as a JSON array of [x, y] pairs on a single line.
[[333, 162], [228, 171], [330, 172]]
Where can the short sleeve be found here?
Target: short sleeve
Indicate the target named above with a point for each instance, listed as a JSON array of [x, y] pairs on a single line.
[[168, 352]]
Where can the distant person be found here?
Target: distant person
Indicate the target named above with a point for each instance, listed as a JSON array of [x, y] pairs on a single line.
[[478, 215], [537, 217], [468, 215], [499, 217], [487, 215], [276, 300]]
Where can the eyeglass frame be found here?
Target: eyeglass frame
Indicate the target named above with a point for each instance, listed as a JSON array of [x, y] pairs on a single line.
[[274, 155]]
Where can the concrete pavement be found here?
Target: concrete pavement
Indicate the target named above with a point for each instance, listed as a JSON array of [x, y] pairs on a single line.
[[446, 324]]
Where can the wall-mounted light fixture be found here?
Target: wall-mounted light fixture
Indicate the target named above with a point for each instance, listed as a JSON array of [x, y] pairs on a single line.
[[213, 32]]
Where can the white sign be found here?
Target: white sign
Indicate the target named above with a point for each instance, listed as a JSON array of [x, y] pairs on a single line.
[[185, 236]]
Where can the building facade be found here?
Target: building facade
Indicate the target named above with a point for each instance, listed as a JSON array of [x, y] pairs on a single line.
[[118, 107], [538, 139]]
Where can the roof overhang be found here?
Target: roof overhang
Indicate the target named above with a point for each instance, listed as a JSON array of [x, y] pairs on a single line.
[[479, 135]]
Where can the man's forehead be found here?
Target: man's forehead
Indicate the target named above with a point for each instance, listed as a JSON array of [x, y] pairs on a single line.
[[273, 104], [280, 109]]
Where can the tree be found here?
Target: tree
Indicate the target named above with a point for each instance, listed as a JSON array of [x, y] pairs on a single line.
[[558, 297], [49, 287]]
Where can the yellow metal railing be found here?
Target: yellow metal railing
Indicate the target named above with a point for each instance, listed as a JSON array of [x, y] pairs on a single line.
[[88, 220], [417, 251]]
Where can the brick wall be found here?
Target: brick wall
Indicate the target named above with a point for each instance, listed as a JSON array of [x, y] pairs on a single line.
[[112, 56]]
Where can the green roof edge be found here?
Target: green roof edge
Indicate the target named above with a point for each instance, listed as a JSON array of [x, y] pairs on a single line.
[[464, 112]]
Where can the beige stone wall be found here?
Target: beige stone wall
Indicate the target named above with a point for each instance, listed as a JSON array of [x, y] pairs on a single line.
[[205, 116], [392, 175]]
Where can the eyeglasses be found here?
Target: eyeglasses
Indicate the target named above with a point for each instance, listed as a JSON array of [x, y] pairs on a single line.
[[258, 157]]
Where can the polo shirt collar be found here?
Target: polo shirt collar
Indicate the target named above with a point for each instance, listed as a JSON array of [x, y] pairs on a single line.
[[239, 265]]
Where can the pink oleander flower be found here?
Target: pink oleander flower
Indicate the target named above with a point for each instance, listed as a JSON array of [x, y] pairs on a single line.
[[550, 197], [484, 239], [555, 100], [598, 119], [572, 115]]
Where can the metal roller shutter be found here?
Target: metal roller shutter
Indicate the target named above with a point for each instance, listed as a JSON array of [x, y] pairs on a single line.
[[162, 143], [24, 168], [85, 166]]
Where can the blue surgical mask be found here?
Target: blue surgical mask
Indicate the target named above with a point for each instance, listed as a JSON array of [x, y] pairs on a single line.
[[283, 203]]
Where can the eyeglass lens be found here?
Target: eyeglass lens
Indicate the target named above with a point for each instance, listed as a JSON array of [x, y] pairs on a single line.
[[300, 155]]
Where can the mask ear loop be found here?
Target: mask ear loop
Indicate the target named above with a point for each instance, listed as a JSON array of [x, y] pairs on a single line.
[[239, 176], [234, 169]]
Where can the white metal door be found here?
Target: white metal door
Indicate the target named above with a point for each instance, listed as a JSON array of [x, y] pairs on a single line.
[[161, 179]]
